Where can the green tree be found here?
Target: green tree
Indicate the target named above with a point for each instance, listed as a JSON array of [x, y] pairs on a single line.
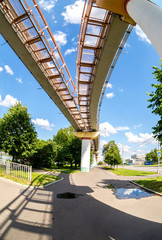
[[68, 147], [44, 154], [75, 149], [17, 132], [156, 101], [111, 154], [61, 142], [152, 156]]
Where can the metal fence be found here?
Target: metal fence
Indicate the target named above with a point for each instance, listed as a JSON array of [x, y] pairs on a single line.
[[16, 169]]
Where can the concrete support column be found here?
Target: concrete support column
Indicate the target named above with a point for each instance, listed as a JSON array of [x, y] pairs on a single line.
[[149, 17], [86, 148], [85, 155]]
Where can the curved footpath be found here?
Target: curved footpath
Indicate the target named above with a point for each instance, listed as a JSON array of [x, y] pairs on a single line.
[[38, 214]]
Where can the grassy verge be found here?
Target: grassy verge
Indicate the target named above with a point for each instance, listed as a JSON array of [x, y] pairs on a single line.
[[38, 179], [129, 172], [62, 170], [153, 165], [151, 183]]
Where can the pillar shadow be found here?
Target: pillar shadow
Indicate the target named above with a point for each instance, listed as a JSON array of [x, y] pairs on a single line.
[[40, 214], [86, 218]]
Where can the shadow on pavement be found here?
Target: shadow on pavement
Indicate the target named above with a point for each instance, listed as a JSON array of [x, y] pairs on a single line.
[[39, 214], [117, 183]]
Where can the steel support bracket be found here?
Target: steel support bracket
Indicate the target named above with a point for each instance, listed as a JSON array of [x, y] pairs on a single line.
[[87, 135], [118, 7]]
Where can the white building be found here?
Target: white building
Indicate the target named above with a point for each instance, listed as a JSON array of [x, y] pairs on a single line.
[[138, 159]]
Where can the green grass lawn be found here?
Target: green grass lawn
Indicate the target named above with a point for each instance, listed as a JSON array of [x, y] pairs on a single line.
[[153, 165], [62, 170], [151, 183], [128, 172], [38, 179]]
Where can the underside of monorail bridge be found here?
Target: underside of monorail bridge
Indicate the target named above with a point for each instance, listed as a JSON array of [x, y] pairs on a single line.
[[101, 40]]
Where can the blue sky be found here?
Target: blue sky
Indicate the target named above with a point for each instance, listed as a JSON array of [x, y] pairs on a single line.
[[124, 115]]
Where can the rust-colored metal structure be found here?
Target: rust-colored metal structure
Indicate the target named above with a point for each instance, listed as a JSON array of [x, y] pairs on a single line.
[[96, 27], [99, 30], [27, 20]]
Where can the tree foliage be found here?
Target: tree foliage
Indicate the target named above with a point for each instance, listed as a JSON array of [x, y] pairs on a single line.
[[17, 132], [156, 101], [111, 154], [68, 147], [44, 154], [19, 138], [152, 156]]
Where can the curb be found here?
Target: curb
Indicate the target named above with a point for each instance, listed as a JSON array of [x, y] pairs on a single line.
[[150, 190], [50, 183], [32, 186]]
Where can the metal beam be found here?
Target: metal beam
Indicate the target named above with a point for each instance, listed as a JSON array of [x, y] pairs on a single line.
[[16, 44]]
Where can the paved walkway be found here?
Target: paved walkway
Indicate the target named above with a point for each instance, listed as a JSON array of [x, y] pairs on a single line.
[[37, 214]]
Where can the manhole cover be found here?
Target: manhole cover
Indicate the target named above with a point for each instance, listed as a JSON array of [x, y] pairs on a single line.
[[68, 195]]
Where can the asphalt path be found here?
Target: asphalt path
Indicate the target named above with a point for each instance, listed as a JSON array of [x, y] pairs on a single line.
[[95, 213]]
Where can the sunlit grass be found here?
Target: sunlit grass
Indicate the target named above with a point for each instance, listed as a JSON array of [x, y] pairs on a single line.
[[151, 183], [38, 179], [62, 170], [153, 165], [128, 172]]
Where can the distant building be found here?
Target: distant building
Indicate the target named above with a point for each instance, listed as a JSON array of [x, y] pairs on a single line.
[[138, 159]]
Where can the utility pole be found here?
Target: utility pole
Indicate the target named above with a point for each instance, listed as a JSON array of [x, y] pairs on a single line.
[[123, 154], [159, 155]]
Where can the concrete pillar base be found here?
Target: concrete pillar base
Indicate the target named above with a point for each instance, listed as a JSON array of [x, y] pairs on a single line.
[[86, 148], [84, 169], [85, 155]]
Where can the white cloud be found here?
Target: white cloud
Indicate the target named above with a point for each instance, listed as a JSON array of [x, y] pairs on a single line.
[[53, 17], [43, 123], [107, 129], [126, 45], [137, 126], [141, 35], [110, 95], [1, 69], [73, 39], [8, 70], [121, 90], [123, 147], [143, 137], [109, 85], [73, 12], [102, 143], [60, 38], [122, 128], [19, 80], [8, 101], [69, 51], [47, 5]]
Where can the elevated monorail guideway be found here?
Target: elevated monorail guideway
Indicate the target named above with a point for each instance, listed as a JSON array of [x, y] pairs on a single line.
[[105, 27], [24, 27], [101, 38]]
